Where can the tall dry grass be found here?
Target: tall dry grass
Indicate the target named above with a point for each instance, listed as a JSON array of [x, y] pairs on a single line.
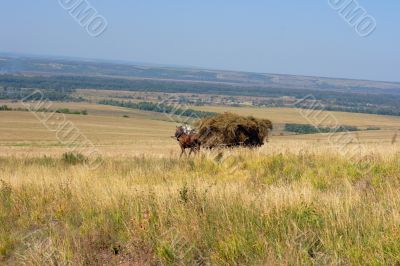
[[234, 207]]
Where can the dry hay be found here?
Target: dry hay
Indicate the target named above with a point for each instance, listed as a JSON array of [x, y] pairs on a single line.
[[232, 130]]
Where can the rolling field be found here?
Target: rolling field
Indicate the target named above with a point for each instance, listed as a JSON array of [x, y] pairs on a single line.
[[298, 200], [145, 132]]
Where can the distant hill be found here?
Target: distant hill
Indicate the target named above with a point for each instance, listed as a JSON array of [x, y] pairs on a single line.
[[53, 66]]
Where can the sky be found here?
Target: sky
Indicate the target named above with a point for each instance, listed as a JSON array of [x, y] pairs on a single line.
[[268, 36]]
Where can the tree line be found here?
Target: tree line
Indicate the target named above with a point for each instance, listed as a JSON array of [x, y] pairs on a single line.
[[310, 129], [59, 111], [159, 108]]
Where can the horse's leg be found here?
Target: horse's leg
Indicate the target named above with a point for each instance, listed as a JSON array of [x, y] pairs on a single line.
[[196, 148], [190, 152], [182, 152]]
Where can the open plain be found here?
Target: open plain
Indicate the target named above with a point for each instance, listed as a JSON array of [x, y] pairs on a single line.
[[300, 199]]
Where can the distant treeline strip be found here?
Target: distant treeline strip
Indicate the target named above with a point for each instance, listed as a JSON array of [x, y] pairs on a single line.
[[159, 108], [60, 111], [310, 129]]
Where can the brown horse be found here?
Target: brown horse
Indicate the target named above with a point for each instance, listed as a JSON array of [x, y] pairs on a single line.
[[187, 140]]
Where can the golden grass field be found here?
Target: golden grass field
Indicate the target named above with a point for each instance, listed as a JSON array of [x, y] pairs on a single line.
[[297, 200]]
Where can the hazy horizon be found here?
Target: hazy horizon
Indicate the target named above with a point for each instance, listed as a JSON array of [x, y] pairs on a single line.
[[133, 62]]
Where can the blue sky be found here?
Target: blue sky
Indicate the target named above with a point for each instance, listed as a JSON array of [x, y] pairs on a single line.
[[280, 36]]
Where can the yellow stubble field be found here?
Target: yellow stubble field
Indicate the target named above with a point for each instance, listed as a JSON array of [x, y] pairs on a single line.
[[140, 132]]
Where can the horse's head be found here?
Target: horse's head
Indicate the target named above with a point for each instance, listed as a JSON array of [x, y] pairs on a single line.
[[179, 131]]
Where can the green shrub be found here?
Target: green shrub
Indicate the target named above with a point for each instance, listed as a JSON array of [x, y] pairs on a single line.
[[5, 108], [5, 194], [73, 158]]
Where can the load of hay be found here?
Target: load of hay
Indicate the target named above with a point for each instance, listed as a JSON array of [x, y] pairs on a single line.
[[230, 130]]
